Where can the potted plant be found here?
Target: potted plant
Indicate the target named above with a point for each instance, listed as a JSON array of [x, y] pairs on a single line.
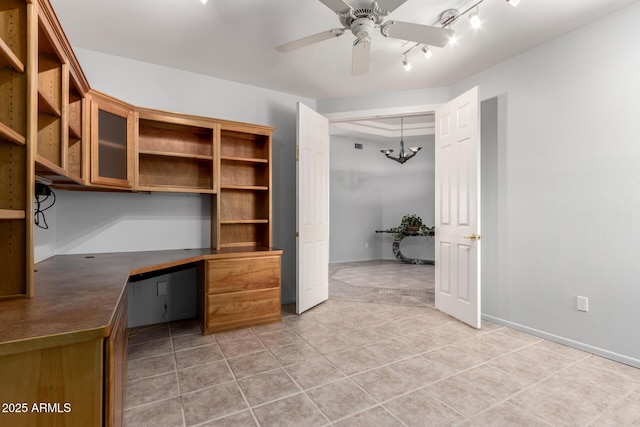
[[411, 223]]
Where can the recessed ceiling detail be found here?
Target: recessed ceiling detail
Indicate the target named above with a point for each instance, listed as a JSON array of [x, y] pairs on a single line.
[[387, 129]]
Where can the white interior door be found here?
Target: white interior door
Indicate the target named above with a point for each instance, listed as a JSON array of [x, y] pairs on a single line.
[[457, 205], [312, 174]]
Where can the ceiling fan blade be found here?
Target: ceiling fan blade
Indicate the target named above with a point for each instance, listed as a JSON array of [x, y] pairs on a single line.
[[361, 56], [337, 5], [426, 34], [390, 5], [309, 40]]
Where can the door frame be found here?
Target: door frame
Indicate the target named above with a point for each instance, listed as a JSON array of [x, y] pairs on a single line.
[[391, 112]]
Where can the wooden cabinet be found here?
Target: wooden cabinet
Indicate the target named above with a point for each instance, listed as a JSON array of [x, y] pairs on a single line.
[[65, 372], [244, 201], [112, 135], [116, 367], [241, 291], [175, 153], [60, 87], [81, 375], [16, 167]]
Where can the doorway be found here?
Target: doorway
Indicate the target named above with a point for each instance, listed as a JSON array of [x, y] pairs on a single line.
[[457, 208]]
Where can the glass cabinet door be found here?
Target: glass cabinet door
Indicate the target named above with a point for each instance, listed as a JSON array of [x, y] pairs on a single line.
[[111, 142]]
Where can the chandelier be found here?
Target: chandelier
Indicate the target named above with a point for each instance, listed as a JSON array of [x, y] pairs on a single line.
[[402, 155]]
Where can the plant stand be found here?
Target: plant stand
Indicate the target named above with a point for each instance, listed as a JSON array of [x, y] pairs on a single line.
[[396, 247]]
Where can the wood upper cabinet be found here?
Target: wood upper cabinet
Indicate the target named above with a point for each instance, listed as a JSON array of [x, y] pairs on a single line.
[[59, 154], [175, 152], [112, 135]]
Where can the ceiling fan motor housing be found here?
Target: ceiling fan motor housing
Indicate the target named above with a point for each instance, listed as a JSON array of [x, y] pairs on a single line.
[[362, 28]]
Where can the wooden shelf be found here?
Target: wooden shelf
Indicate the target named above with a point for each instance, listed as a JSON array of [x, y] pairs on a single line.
[[245, 187], [74, 132], [175, 189], [244, 221], [11, 135], [47, 105], [244, 159], [179, 155], [7, 57], [43, 162], [11, 214]]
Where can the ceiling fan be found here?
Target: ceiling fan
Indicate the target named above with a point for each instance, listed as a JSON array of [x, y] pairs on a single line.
[[362, 17]]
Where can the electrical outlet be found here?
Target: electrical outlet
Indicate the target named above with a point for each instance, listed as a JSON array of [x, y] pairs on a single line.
[[162, 288], [582, 303]]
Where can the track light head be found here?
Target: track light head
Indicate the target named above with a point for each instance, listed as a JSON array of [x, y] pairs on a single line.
[[513, 3], [406, 64], [203, 1], [426, 52], [474, 20]]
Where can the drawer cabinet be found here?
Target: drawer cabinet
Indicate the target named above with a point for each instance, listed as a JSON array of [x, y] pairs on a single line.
[[241, 292]]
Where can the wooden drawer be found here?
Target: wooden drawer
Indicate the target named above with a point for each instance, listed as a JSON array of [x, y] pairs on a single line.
[[242, 309], [242, 274]]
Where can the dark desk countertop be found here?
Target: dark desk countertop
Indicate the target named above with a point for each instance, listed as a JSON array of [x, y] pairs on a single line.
[[75, 296]]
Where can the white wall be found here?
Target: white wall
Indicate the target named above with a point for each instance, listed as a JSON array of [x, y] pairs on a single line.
[[567, 187], [123, 222], [356, 182]]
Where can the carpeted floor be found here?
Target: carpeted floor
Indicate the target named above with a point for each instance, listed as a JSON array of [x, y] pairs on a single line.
[[384, 282]]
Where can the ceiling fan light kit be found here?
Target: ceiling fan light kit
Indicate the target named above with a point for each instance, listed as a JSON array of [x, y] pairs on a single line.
[[363, 17]]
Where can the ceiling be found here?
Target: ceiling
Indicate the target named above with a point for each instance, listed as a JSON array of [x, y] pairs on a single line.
[[414, 129], [235, 40]]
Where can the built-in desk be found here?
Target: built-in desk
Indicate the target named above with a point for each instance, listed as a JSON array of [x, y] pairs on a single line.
[[66, 346]]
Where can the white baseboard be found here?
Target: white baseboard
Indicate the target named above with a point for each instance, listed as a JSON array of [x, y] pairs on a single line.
[[566, 341]]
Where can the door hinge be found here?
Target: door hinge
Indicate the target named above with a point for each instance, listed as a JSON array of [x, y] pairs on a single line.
[[297, 153]]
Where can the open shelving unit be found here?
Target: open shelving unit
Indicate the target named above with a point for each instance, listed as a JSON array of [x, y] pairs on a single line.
[[52, 84], [175, 153], [15, 191], [75, 165], [244, 201]]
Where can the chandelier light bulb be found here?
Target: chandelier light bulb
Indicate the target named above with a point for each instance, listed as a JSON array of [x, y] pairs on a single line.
[[427, 52]]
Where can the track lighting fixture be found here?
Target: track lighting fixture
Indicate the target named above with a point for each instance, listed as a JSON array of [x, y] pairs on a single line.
[[406, 63], [204, 1], [446, 20]]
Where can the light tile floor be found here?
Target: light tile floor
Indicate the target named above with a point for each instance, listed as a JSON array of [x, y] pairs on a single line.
[[378, 282], [376, 363]]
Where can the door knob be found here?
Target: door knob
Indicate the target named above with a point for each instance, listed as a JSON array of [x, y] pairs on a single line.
[[472, 237]]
